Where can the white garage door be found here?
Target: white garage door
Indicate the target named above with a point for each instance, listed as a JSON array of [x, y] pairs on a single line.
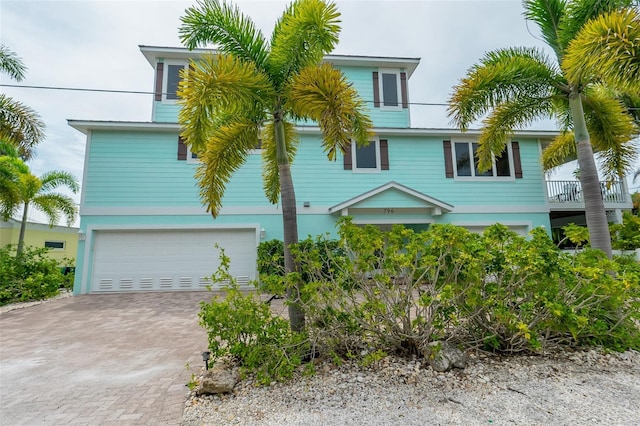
[[156, 260]]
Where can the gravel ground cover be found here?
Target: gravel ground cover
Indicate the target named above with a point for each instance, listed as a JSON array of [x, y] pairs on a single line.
[[566, 388]]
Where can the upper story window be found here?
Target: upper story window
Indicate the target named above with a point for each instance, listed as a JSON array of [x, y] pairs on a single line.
[[461, 161], [390, 89], [371, 158], [167, 80], [185, 153]]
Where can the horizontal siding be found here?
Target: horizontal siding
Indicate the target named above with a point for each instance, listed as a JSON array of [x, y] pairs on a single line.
[[164, 112], [419, 164], [362, 80], [141, 169]]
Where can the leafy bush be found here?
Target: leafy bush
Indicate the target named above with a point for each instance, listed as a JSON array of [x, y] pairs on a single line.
[[400, 290], [390, 292], [271, 261], [31, 276], [242, 327], [626, 235]]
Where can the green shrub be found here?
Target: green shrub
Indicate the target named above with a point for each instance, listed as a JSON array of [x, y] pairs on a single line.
[[626, 235], [31, 276], [242, 327]]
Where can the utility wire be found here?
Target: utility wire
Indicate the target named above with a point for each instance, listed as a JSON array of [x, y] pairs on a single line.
[[137, 92]]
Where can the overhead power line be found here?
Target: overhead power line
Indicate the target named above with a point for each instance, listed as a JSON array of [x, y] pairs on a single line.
[[138, 92]]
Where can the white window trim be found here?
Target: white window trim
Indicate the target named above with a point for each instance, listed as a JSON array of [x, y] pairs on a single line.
[[511, 177], [165, 79], [397, 72], [354, 158], [64, 245]]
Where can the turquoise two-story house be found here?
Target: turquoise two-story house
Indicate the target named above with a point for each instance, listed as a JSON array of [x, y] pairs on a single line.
[[143, 226]]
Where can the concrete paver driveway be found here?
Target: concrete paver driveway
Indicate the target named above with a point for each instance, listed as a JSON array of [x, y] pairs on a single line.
[[100, 359]]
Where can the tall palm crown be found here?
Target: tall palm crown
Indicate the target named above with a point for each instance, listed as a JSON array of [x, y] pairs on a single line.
[[253, 91], [514, 87], [19, 125]]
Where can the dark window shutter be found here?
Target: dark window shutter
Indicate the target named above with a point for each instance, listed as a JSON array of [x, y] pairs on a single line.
[[347, 159], [517, 165], [403, 89], [448, 159], [384, 154], [159, 76], [182, 149], [376, 90]]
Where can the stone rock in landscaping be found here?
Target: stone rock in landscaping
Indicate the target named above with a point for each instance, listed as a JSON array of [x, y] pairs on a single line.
[[442, 356], [219, 379]]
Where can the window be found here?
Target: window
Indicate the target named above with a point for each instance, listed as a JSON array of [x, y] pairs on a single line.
[[185, 153], [167, 80], [392, 84], [368, 159], [466, 163], [173, 78], [54, 245]]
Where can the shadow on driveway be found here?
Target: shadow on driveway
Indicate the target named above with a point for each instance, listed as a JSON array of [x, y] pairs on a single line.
[[100, 359]]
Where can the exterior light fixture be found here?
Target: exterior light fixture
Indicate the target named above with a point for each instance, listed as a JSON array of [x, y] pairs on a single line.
[[205, 357], [81, 235], [263, 233]]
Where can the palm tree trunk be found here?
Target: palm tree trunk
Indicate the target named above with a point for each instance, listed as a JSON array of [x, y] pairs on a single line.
[[599, 234], [23, 227], [290, 224]]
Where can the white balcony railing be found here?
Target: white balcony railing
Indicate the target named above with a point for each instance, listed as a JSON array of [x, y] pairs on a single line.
[[570, 191]]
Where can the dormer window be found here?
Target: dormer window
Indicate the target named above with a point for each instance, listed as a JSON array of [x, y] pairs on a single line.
[[167, 80], [390, 89]]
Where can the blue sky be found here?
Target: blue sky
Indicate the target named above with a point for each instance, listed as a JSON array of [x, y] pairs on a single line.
[[94, 44]]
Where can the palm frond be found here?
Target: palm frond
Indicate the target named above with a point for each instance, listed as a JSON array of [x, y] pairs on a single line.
[[226, 150], [548, 15], [561, 150], [55, 206], [20, 125], [11, 64], [220, 23], [607, 48], [499, 125], [57, 178], [579, 12], [219, 85], [270, 172], [502, 76], [323, 94], [612, 131], [307, 30]]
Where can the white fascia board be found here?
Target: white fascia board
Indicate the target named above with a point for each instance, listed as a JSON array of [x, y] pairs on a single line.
[[85, 126], [152, 53]]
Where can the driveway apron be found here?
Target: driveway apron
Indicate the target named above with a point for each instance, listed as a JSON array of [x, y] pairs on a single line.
[[105, 359]]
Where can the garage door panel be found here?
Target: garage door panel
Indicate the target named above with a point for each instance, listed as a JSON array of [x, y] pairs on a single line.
[[169, 260]]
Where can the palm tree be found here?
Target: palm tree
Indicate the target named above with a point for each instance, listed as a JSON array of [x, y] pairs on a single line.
[[19, 125], [252, 90], [39, 193], [11, 167], [516, 86]]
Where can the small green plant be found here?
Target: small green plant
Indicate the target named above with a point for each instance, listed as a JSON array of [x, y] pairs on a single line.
[[373, 359], [241, 327], [30, 276]]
